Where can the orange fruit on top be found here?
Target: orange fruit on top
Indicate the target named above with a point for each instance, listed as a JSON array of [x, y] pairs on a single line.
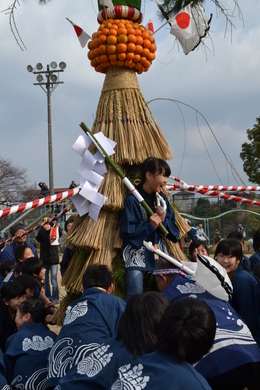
[[98, 59], [94, 35], [102, 39], [139, 40], [113, 62], [111, 49], [96, 51], [139, 49], [152, 38], [130, 56], [147, 43], [89, 45], [120, 63], [130, 30], [131, 38], [116, 21], [132, 65], [114, 27], [146, 52], [131, 47], [136, 25], [146, 34], [101, 27], [102, 49], [111, 20], [138, 32], [136, 58], [122, 30], [99, 33], [112, 31], [105, 31], [121, 47], [112, 57], [127, 62], [121, 23], [153, 47], [121, 56], [111, 40], [95, 41], [151, 56], [90, 56], [122, 38], [104, 58], [143, 60]]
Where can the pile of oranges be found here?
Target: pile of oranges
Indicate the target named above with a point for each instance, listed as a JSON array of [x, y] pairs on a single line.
[[121, 42]]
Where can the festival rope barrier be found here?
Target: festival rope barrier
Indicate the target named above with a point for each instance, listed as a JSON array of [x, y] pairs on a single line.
[[64, 211], [39, 202], [204, 191]]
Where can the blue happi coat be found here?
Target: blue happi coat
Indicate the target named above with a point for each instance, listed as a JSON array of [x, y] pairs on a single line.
[[89, 322], [233, 346], [3, 381], [155, 371], [99, 369], [135, 228], [26, 356]]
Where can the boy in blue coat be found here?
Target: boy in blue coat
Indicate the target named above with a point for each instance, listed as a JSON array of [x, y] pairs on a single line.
[[89, 322]]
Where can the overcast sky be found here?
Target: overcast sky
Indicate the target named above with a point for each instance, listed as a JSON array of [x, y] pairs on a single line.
[[224, 85]]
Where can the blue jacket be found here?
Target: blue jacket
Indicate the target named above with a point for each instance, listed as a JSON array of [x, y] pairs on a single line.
[[246, 299], [8, 252], [99, 369], [89, 322], [26, 356], [255, 259], [233, 346], [135, 228], [155, 371], [67, 256]]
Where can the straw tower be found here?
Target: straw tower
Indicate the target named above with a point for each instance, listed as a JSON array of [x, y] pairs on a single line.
[[123, 116]]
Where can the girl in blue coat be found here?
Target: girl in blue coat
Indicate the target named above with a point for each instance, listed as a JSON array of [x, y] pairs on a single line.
[[246, 287], [136, 226], [27, 351]]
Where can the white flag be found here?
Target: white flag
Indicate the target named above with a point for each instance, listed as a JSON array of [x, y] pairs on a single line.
[[81, 34], [107, 3], [189, 26]]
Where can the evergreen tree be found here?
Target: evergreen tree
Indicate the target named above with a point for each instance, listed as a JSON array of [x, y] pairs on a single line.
[[251, 153]]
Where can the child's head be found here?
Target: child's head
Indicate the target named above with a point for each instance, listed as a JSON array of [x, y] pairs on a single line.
[[22, 252], [97, 275], [229, 254], [31, 310], [6, 267], [138, 327], [187, 329], [237, 236], [18, 269], [69, 223], [155, 166], [12, 294], [34, 267], [256, 240], [197, 247], [167, 274], [28, 283]]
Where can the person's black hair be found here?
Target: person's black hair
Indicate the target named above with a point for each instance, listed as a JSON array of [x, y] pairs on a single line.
[[6, 266], [97, 275], [19, 252], [15, 228], [32, 266], [236, 236], [195, 244], [256, 240], [138, 326], [35, 307], [256, 270], [187, 329], [11, 289], [69, 220], [155, 165], [18, 268], [230, 247], [27, 281], [162, 263]]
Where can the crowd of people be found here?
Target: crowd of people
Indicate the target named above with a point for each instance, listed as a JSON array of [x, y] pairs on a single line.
[[178, 337]]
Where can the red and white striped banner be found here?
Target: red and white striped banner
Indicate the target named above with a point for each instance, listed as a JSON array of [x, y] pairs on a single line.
[[39, 202], [64, 211]]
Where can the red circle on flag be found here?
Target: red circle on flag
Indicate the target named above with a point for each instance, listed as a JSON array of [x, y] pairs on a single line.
[[183, 20]]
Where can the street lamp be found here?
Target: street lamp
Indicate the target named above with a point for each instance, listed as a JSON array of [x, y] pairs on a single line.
[[48, 80]]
